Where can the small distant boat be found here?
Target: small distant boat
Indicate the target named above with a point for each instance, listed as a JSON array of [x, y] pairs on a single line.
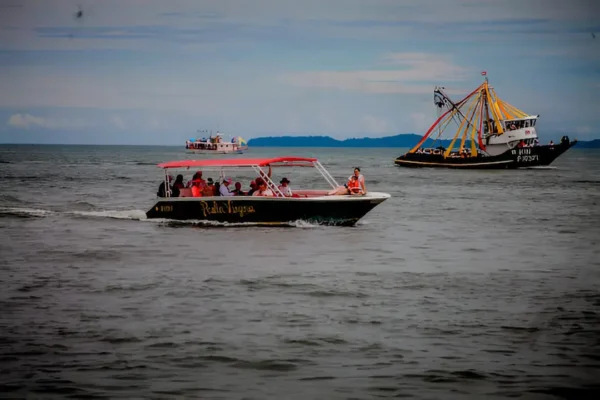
[[309, 205], [492, 134], [216, 145]]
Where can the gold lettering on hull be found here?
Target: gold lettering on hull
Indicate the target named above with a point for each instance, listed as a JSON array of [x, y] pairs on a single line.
[[215, 208]]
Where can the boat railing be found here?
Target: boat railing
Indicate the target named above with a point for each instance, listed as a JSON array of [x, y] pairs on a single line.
[[270, 184], [326, 174]]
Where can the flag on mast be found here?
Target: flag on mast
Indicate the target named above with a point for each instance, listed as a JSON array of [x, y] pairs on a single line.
[[483, 73]]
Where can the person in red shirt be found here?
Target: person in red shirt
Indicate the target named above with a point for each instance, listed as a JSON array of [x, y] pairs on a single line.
[[197, 185]]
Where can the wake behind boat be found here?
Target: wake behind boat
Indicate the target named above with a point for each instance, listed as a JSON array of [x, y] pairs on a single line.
[[492, 134], [281, 207]]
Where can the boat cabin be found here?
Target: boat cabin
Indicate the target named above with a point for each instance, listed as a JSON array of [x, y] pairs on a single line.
[[519, 123]]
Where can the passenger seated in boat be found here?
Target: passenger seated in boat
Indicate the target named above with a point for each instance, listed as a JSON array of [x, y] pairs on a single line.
[[354, 186], [197, 186], [208, 190], [238, 190], [197, 175], [252, 188], [224, 188], [179, 182], [175, 189], [262, 189], [361, 179], [284, 188], [161, 188]]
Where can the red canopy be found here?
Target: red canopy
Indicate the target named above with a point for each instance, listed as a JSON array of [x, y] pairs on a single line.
[[238, 162]]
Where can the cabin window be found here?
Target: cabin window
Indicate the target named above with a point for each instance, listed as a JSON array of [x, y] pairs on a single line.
[[527, 123], [533, 121]]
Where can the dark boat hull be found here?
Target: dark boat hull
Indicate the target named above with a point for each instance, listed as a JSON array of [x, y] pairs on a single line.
[[526, 157], [267, 211]]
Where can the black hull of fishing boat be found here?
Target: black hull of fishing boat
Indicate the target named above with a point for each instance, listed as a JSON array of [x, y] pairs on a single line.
[[267, 211], [527, 157]]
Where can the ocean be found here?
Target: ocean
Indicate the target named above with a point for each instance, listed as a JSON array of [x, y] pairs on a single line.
[[464, 284]]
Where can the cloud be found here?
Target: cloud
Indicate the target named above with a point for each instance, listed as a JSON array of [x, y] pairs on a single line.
[[372, 124], [118, 122], [27, 121], [130, 24], [421, 121], [411, 68], [583, 130]]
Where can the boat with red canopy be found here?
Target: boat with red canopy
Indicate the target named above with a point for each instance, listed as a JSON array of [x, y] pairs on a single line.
[[279, 205]]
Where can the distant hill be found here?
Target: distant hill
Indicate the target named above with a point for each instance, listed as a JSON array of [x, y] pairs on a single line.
[[592, 144], [402, 140]]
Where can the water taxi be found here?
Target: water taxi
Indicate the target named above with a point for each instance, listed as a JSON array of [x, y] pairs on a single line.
[[313, 205]]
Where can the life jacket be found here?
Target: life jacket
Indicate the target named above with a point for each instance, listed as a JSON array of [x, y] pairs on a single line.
[[354, 186]]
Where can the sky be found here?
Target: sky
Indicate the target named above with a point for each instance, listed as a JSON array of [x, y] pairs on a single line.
[[155, 72]]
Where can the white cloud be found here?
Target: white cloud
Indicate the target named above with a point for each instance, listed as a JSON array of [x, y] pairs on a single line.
[[154, 123], [583, 130], [372, 124], [26, 121], [118, 122], [415, 67], [331, 17], [421, 122]]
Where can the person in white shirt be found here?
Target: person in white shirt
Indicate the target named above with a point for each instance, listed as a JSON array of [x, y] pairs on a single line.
[[342, 190], [262, 189], [224, 189], [284, 188], [361, 179]]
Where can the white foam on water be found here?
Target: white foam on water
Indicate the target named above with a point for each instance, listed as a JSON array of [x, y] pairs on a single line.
[[34, 212], [304, 224], [140, 215], [539, 167], [137, 215]]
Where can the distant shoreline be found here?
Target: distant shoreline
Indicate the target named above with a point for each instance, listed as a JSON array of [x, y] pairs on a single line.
[[406, 140]]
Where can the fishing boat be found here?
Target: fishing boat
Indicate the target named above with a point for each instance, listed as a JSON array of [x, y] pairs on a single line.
[[312, 205], [491, 134], [216, 144]]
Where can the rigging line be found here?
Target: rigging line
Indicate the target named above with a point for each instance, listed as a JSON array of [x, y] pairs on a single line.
[[479, 141], [432, 127], [466, 133], [476, 113], [461, 102], [458, 132], [447, 123]]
